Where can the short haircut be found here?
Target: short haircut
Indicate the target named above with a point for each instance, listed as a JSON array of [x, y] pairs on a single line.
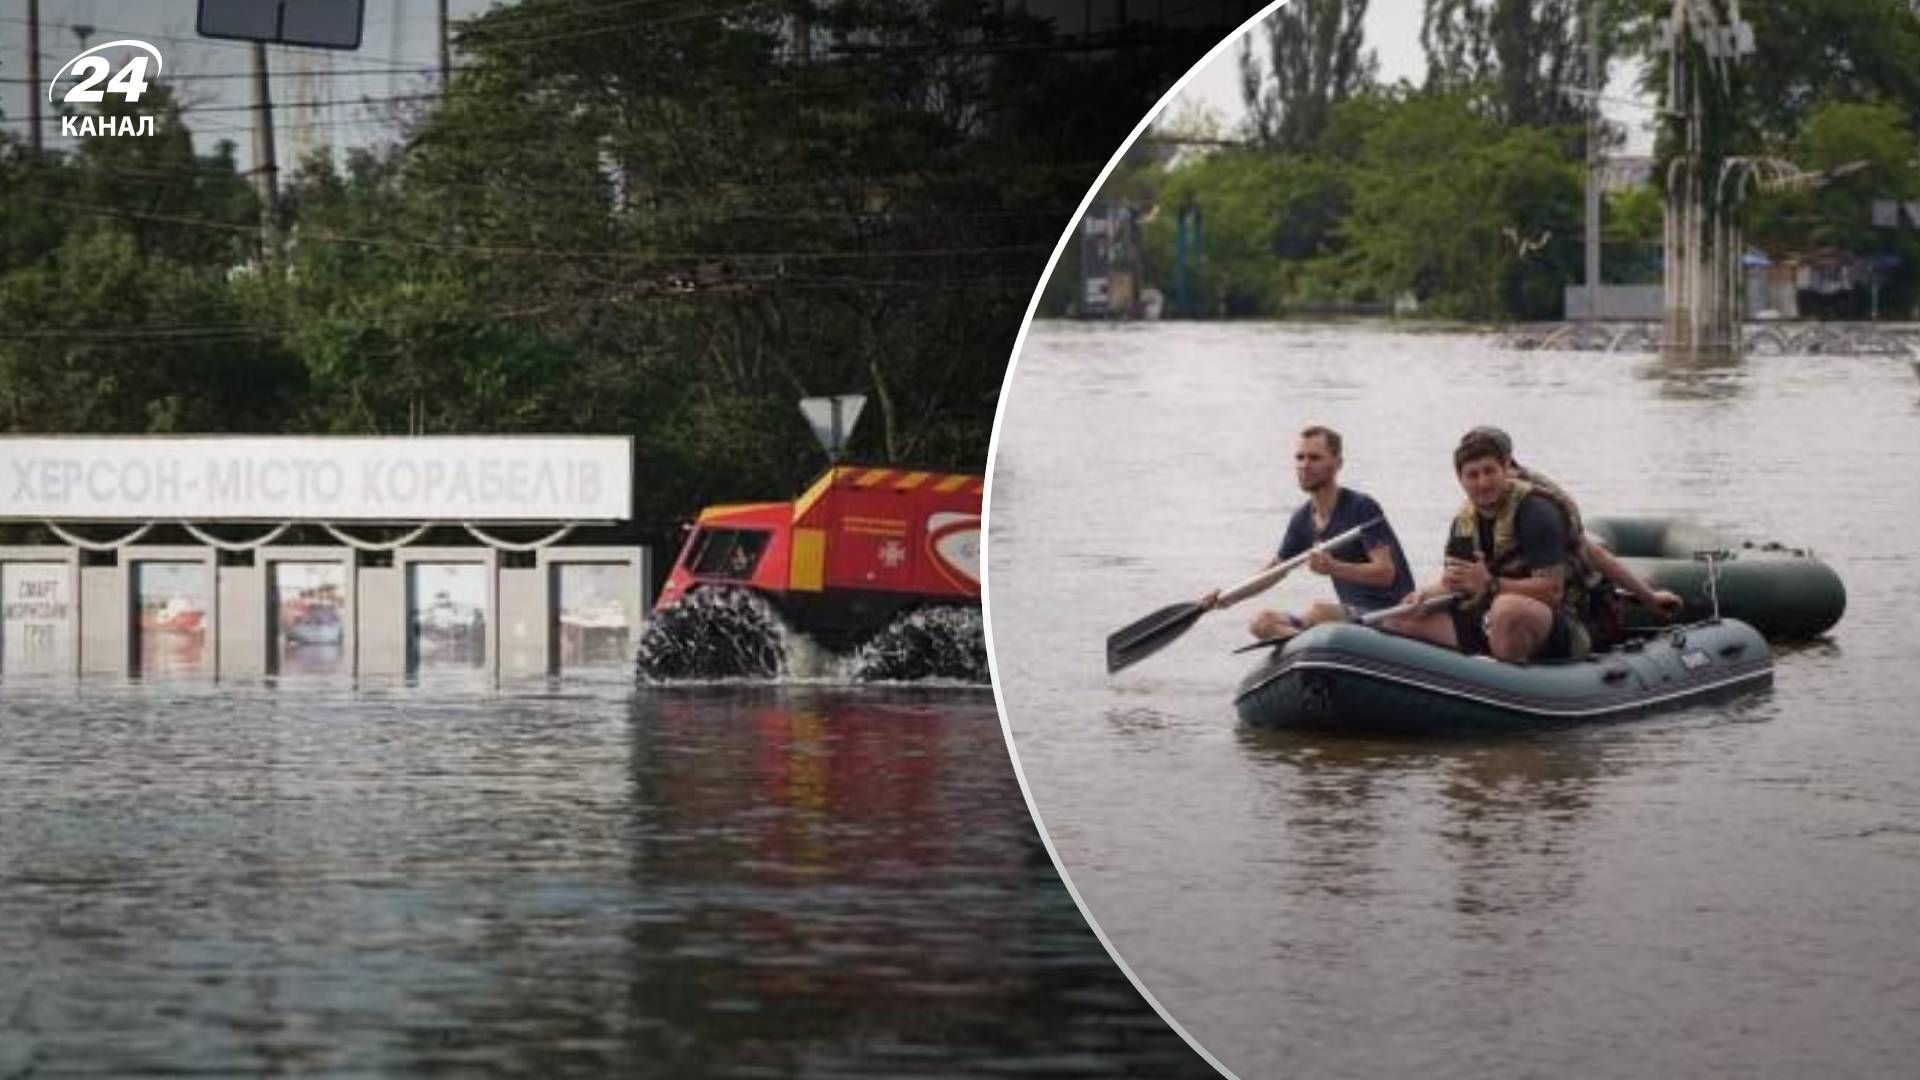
[[1478, 444], [1331, 436], [1500, 438]]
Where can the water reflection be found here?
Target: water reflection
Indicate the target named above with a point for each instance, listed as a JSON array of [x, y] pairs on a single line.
[[1495, 799], [1704, 376], [730, 881]]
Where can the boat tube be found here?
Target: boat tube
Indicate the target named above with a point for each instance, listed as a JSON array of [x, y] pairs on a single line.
[[1346, 677], [1785, 593]]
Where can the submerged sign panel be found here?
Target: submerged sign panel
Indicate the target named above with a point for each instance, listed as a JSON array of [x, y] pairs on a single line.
[[307, 605], [171, 601], [592, 623], [450, 478], [447, 615], [37, 613]]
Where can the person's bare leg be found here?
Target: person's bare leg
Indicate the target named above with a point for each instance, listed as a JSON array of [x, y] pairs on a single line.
[[1434, 626], [1272, 626], [1517, 626], [1323, 612]]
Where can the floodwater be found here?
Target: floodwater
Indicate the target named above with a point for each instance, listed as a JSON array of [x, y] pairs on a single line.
[[1725, 890], [725, 881]]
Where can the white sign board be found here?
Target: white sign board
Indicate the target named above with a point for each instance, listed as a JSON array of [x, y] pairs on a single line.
[[36, 607], [245, 478]]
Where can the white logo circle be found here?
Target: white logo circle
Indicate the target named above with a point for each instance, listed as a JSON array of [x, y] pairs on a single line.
[[129, 82]]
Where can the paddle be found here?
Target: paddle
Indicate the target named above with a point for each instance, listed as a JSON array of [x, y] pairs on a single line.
[[1142, 638], [1418, 607], [1371, 618]]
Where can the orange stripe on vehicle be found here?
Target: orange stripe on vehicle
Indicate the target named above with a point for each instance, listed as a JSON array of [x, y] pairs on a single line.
[[809, 560], [951, 483], [911, 480], [728, 510], [820, 487], [874, 477]]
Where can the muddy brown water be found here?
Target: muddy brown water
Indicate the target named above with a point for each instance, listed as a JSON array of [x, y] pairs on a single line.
[[1727, 890], [726, 881]]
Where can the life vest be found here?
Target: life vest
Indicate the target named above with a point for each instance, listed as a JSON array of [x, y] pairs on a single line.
[[1504, 560], [1587, 574], [1569, 510]]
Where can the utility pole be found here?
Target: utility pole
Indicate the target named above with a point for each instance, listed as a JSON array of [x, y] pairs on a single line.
[[446, 55], [1593, 162], [266, 171], [33, 73], [800, 37]]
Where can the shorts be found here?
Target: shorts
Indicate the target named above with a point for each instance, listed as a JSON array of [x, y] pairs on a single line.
[[1471, 632]]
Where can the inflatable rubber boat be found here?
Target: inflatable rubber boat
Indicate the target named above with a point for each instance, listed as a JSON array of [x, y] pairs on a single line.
[[1785, 593], [1343, 676]]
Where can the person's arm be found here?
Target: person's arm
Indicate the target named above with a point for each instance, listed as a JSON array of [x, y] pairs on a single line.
[[1610, 567], [1295, 541], [1542, 539], [1440, 585], [1375, 573], [1542, 535]]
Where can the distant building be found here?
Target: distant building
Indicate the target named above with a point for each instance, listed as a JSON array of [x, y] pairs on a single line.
[[1110, 262], [1835, 283]]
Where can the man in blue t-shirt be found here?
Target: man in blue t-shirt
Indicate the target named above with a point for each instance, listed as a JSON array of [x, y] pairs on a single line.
[[1368, 573]]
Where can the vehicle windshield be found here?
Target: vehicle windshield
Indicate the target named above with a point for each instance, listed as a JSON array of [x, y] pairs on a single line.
[[727, 553]]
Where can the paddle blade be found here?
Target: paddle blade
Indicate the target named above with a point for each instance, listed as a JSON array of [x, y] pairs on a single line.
[[1268, 643], [1137, 641]]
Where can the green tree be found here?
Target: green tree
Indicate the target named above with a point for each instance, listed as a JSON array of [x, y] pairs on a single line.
[[1474, 219], [1872, 155], [1634, 224], [1521, 56], [101, 338], [1809, 53], [1314, 60], [668, 220], [116, 312]]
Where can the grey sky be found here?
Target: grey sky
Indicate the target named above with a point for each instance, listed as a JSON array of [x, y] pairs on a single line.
[[399, 44]]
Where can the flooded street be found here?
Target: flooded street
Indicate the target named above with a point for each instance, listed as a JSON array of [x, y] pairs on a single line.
[[729, 881], [1723, 890]]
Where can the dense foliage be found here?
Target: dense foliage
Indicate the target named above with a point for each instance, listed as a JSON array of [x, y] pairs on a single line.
[[1464, 193], [669, 224]]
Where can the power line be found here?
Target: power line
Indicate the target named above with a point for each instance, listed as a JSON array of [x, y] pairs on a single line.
[[1072, 170], [330, 73], [178, 333], [467, 26], [306, 234], [744, 95], [135, 333], [676, 211], [699, 214]]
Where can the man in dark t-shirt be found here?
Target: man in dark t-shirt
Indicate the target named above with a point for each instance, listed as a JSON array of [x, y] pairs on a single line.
[[1368, 573], [1507, 558], [1350, 508]]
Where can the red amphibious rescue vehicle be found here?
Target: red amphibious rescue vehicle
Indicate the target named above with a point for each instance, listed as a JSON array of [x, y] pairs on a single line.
[[860, 547]]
